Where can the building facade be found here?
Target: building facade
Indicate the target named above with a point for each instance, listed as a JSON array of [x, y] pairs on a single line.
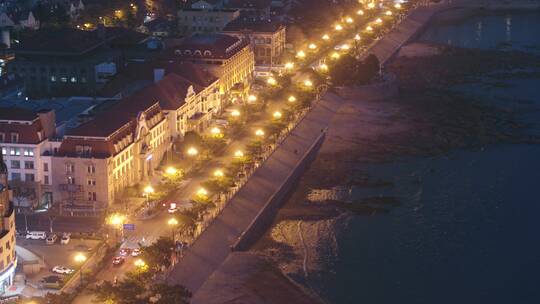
[[26, 142], [267, 38], [8, 257], [228, 58], [195, 20], [117, 149]]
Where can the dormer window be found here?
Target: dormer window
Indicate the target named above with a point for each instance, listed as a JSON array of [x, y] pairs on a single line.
[[14, 137], [187, 52], [207, 53], [197, 53]]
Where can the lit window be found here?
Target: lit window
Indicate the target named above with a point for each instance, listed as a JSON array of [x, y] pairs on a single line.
[[53, 78], [73, 79], [4, 151], [63, 79]]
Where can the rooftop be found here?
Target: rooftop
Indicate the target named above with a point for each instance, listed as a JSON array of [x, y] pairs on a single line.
[[254, 24], [219, 46], [16, 113], [248, 4]]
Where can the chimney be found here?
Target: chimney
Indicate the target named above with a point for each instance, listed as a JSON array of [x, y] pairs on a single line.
[[48, 122], [158, 75]]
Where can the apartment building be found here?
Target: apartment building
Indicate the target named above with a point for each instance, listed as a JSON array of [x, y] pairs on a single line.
[[201, 20], [267, 37], [120, 147], [27, 144], [228, 58], [8, 257]]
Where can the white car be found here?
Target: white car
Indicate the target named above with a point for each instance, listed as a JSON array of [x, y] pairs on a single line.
[[66, 237], [62, 270], [36, 235], [51, 239]]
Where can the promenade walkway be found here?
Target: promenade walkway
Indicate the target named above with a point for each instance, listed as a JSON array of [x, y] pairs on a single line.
[[213, 246]]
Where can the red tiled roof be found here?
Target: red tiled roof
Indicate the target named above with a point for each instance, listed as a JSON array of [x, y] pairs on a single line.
[[28, 132]]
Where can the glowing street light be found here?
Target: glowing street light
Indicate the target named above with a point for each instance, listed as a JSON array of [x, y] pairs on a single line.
[[148, 189], [277, 115], [301, 54], [238, 154], [360, 12], [139, 263], [308, 83], [312, 46], [388, 13], [271, 81], [289, 65], [235, 113], [259, 133], [369, 28], [349, 20], [215, 131], [335, 55], [218, 173], [323, 67], [192, 151], [116, 220], [378, 21], [202, 192], [325, 37], [397, 6], [172, 222], [291, 99], [171, 171], [371, 5], [345, 47], [357, 37], [252, 98], [80, 258], [339, 27]]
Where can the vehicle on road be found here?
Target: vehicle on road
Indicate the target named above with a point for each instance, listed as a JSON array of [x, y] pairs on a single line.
[[136, 252], [118, 260], [52, 281], [66, 237], [172, 208], [124, 252], [36, 235], [51, 239], [62, 270]]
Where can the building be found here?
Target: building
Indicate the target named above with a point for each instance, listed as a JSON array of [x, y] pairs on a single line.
[[258, 8], [69, 62], [227, 57], [204, 20], [26, 141], [120, 147], [207, 4], [8, 257], [267, 38]]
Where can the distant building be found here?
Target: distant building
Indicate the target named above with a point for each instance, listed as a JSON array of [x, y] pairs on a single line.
[[227, 57], [120, 147], [27, 146], [69, 62], [207, 4], [76, 7], [260, 8], [27, 20], [203, 20], [8, 257], [267, 38]]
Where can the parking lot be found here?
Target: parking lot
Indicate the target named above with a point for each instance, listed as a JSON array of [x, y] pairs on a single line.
[[56, 255]]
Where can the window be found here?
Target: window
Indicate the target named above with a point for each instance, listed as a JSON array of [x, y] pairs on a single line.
[[4, 151], [53, 78], [29, 177], [70, 168], [71, 180], [45, 167], [63, 79], [28, 152], [29, 165], [46, 179], [15, 164], [2, 137], [91, 169], [15, 176], [14, 137], [14, 152], [73, 79], [92, 196], [91, 182]]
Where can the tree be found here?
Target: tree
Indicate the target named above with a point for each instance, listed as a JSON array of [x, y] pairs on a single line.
[[368, 69], [158, 254], [166, 294], [344, 70]]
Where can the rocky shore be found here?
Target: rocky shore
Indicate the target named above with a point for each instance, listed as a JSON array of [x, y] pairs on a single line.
[[429, 118]]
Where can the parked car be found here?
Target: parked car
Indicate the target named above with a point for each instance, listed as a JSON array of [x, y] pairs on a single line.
[[51, 239], [124, 251], [52, 281], [118, 260], [136, 252], [62, 270], [66, 237], [36, 235]]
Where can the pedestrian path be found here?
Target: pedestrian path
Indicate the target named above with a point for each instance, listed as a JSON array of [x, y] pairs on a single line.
[[213, 246]]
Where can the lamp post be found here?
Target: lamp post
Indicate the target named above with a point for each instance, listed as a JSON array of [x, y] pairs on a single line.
[[147, 191], [116, 220], [172, 223], [80, 259]]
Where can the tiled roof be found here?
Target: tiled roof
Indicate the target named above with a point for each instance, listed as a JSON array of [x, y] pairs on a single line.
[[218, 46], [28, 133], [250, 23]]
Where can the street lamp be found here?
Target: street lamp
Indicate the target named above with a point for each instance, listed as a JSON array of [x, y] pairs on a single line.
[[216, 132], [301, 54], [369, 28], [80, 259], [371, 5], [345, 47], [378, 21], [172, 223], [289, 65], [271, 81], [238, 154], [360, 12], [312, 46], [252, 98], [325, 37], [335, 55], [218, 173], [388, 13], [192, 151], [349, 20], [171, 171], [277, 115], [147, 191], [397, 6], [323, 67], [339, 27], [308, 83], [259, 133], [291, 99], [357, 37], [116, 220]]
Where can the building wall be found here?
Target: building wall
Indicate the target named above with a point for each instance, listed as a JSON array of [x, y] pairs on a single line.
[[8, 257], [204, 21], [268, 47]]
